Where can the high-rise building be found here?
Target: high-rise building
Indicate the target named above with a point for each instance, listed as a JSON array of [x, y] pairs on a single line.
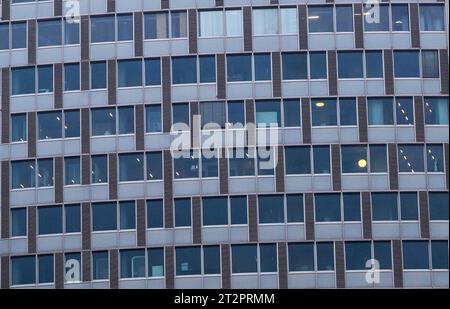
[[352, 96]]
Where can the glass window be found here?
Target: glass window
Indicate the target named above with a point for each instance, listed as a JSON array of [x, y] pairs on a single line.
[[182, 212], [382, 253], [352, 206], [439, 253], [271, 208], [344, 18], [22, 80], [152, 72], [406, 63], [234, 22], [186, 165], [155, 214], [384, 206], [436, 111], [71, 32], [357, 253], [430, 64], [244, 259], [129, 73], [268, 113], [19, 35], [180, 113], [210, 164], [154, 165], [103, 121], [268, 258], [320, 19], [213, 114], [289, 24], [438, 204], [127, 215], [100, 265], [131, 167], [431, 17], [71, 123], [99, 170], [354, 159], [211, 23], [298, 160], [325, 256], [153, 118], [45, 78], [435, 159], [156, 26], [72, 218], [409, 206], [4, 36], [404, 110], [46, 268], [23, 270], [242, 162], [126, 120], [155, 262], [380, 111], [264, 164], [71, 77], [72, 273], [104, 216], [327, 207], [318, 65], [239, 68], [179, 24], [132, 263], [238, 207], [49, 32], [50, 220], [184, 70], [207, 69], [236, 114], [215, 210], [23, 174], [374, 63], [125, 27], [188, 261], [350, 64], [294, 205], [265, 21], [263, 69], [294, 65], [45, 172], [98, 75], [18, 128], [324, 112], [49, 125], [301, 256], [415, 254], [378, 159], [400, 17], [410, 158], [376, 19], [18, 222], [321, 156], [211, 260], [103, 29], [347, 111], [291, 112]]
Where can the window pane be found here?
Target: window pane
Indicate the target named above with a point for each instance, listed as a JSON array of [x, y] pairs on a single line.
[[384, 207], [436, 111], [289, 24], [18, 222], [438, 204], [347, 112], [45, 78], [238, 205], [103, 29], [71, 32], [324, 112], [410, 158], [207, 69], [213, 114], [126, 120], [264, 160], [268, 113], [265, 21], [127, 215], [298, 160], [430, 64], [131, 167], [72, 218], [103, 121], [49, 125], [378, 159], [382, 253], [182, 212], [380, 111], [72, 273], [234, 22], [180, 113], [186, 166], [321, 159], [435, 159], [439, 252], [268, 258], [155, 262], [99, 169], [400, 17], [295, 66], [215, 210], [153, 118], [18, 35], [406, 63], [344, 18], [357, 253], [376, 23], [156, 26], [184, 70], [318, 65], [152, 72], [244, 259], [211, 260], [4, 36], [211, 23], [350, 64], [301, 256], [23, 174], [210, 164], [354, 159], [320, 19], [374, 64], [98, 75], [154, 165], [327, 207], [50, 220], [271, 208], [124, 27], [263, 67], [104, 216], [294, 204], [242, 162], [405, 113], [72, 123], [179, 24], [49, 32], [23, 270], [155, 214], [132, 263], [188, 261], [72, 171], [415, 254], [129, 73], [291, 112], [236, 113], [71, 77], [325, 256], [45, 172], [409, 206], [100, 265], [431, 17], [352, 206], [22, 80], [239, 68], [46, 268], [18, 128]]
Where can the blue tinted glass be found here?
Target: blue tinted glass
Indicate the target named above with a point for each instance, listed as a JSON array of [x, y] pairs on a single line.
[[45, 78], [291, 112], [410, 158], [71, 32], [324, 112], [45, 172], [186, 166], [380, 111], [301, 256], [295, 66], [19, 35], [298, 160], [131, 167], [4, 36], [126, 120], [271, 208], [50, 220], [438, 204], [241, 163], [188, 261], [374, 64], [238, 205], [99, 169], [127, 215], [268, 113], [439, 253], [180, 113], [244, 259], [432, 17], [152, 72], [18, 222], [18, 128], [156, 25], [49, 32], [262, 67], [209, 166], [72, 218], [124, 27], [23, 174], [71, 77], [46, 268], [98, 75], [103, 121], [154, 165], [436, 111], [294, 205], [318, 65], [211, 260], [22, 80], [382, 253], [153, 118], [239, 68], [415, 254], [103, 28], [23, 270], [344, 18], [207, 69], [155, 262], [384, 206], [325, 256], [352, 207], [321, 156], [129, 73], [178, 24], [49, 125], [406, 63], [215, 210], [100, 265], [72, 273], [400, 17], [409, 206], [104, 216], [320, 18], [132, 263], [379, 22], [404, 110], [72, 123], [155, 214], [182, 212], [354, 159], [184, 70], [268, 258], [327, 207], [350, 64], [357, 253], [378, 159], [347, 112], [236, 113]]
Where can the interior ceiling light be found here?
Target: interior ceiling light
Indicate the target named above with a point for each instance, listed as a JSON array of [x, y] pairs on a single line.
[[320, 104], [362, 163]]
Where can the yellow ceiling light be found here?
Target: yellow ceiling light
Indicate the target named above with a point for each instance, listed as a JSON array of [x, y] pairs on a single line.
[[320, 104], [362, 163]]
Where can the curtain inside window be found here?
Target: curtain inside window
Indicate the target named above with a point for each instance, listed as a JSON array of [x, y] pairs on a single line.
[[211, 23], [430, 63], [380, 111], [234, 22], [265, 21], [213, 112], [288, 21]]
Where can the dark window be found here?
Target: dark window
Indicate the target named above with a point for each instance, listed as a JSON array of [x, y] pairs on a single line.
[[153, 118], [238, 205], [45, 172], [347, 111], [415, 254], [180, 113], [409, 206], [182, 212], [295, 66], [344, 18], [376, 19], [382, 253], [271, 208], [357, 253], [406, 63], [320, 19], [400, 17], [384, 207], [239, 68], [268, 258], [268, 113], [23, 174], [236, 114], [45, 78], [430, 64], [318, 65], [210, 164], [178, 24], [301, 256], [132, 263], [125, 27], [327, 207], [184, 70], [50, 220], [71, 123], [72, 218], [404, 110], [152, 72], [156, 26], [46, 268], [435, 159], [155, 262], [4, 36], [350, 64], [103, 29], [380, 111], [19, 128], [244, 259], [263, 69], [188, 261], [127, 215], [321, 156], [215, 210], [436, 111], [410, 158], [49, 125], [294, 205], [374, 64], [213, 114], [325, 256], [131, 167], [155, 214], [100, 265], [352, 206], [18, 35], [72, 171], [291, 112], [186, 165], [99, 169], [242, 162], [23, 270], [432, 17], [324, 112], [298, 160], [378, 159], [438, 204], [211, 260], [71, 32], [18, 222], [129, 73], [104, 216], [439, 254], [49, 32], [23, 80], [154, 165], [354, 159], [126, 120], [207, 69], [71, 77], [98, 75]]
